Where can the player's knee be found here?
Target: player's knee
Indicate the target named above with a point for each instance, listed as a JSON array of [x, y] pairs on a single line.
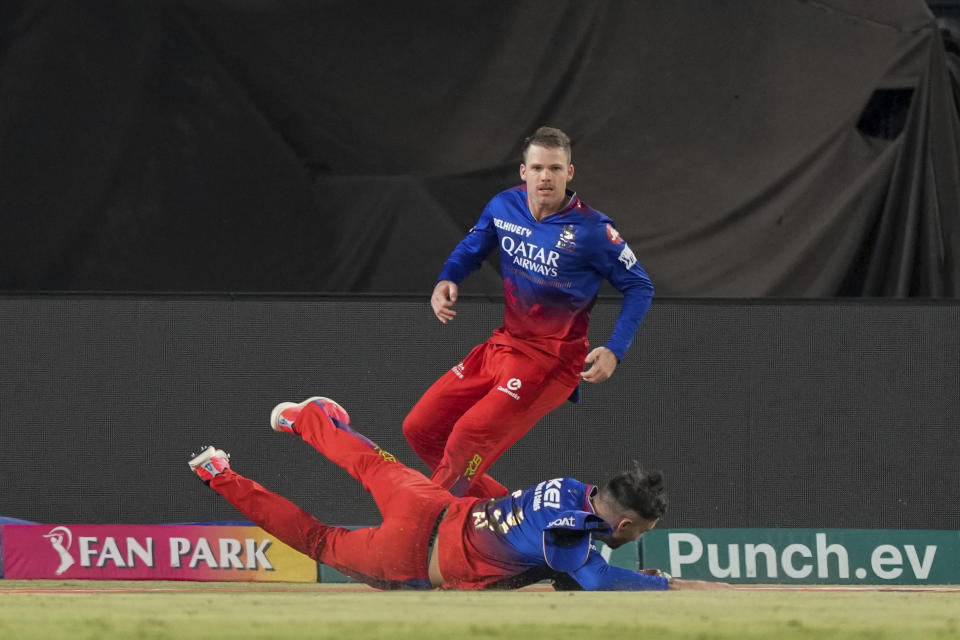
[[413, 428]]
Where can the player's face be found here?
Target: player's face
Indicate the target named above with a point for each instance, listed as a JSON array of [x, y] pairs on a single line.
[[628, 530], [546, 172]]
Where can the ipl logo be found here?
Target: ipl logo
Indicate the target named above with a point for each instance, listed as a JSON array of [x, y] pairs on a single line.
[[56, 537]]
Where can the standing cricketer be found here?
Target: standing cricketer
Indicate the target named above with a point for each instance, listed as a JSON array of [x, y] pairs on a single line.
[[555, 252]]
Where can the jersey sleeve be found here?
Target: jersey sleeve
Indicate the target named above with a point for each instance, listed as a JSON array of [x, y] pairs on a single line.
[[470, 252], [616, 261], [598, 575]]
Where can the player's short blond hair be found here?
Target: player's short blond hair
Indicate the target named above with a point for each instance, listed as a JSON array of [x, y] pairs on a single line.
[[549, 137]]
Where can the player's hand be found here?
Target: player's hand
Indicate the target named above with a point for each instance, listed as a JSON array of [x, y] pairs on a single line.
[[699, 585], [444, 295], [600, 365]]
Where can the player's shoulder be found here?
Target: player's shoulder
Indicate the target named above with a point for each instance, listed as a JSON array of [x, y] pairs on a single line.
[[509, 202], [517, 193], [587, 215], [578, 493], [596, 229], [575, 485]]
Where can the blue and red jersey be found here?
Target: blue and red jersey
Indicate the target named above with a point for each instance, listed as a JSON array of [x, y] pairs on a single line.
[[552, 271], [531, 535]]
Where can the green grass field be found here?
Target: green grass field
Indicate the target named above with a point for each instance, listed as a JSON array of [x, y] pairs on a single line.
[[231, 611]]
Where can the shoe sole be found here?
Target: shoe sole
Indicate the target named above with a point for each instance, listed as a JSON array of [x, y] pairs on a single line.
[[275, 414]]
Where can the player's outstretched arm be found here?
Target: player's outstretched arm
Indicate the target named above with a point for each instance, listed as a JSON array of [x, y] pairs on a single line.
[[443, 298]]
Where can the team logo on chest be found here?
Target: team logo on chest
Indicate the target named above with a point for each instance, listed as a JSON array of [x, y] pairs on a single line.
[[568, 238]]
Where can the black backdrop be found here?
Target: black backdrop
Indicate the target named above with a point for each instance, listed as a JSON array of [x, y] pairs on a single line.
[[818, 414], [798, 148]]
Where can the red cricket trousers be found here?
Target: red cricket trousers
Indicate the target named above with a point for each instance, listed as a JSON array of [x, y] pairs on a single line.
[[391, 556], [478, 410]]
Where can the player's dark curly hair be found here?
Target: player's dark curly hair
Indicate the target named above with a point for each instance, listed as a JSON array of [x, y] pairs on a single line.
[[639, 490], [549, 137]]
